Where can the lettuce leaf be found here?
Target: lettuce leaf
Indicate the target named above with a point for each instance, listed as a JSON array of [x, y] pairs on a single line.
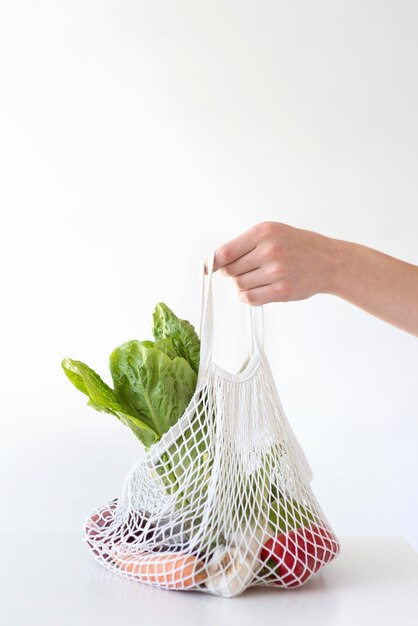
[[184, 337], [166, 346], [154, 380], [90, 383], [103, 398], [153, 386]]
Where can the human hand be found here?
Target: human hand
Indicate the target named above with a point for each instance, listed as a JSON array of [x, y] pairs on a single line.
[[274, 262]]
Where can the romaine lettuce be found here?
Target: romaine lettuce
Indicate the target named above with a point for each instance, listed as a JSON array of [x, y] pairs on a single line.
[[181, 332], [152, 385], [154, 380]]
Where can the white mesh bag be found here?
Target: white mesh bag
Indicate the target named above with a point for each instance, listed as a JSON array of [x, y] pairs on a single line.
[[222, 501]]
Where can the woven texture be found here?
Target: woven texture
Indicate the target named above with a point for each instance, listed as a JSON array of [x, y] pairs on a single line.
[[223, 501]]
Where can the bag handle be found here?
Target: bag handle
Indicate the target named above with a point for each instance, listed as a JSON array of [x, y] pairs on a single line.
[[256, 344], [255, 324]]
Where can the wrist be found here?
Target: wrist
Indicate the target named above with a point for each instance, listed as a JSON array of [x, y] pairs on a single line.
[[337, 259]]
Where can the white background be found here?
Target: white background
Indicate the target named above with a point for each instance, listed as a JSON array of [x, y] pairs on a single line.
[[138, 135]]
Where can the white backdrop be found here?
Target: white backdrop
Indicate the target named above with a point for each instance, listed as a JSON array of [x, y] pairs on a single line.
[[136, 137]]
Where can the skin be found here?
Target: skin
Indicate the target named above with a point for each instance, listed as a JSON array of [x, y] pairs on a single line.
[[275, 262]]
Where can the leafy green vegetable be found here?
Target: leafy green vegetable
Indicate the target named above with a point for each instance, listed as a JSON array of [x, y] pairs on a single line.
[[166, 346], [86, 380], [103, 398], [183, 335], [152, 385], [154, 380]]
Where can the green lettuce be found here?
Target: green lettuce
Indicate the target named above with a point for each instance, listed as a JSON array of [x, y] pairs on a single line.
[[153, 385], [103, 398], [183, 335], [154, 381]]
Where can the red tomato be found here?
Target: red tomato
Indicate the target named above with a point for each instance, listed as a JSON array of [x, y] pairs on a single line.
[[300, 553]]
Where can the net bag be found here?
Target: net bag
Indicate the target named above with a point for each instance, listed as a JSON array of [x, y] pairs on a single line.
[[222, 501]]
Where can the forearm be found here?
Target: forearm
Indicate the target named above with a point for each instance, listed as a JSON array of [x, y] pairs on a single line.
[[275, 262], [377, 283]]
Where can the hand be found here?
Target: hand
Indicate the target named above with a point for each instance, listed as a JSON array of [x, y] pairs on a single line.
[[273, 262]]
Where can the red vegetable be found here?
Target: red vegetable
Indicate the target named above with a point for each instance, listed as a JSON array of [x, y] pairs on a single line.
[[297, 555]]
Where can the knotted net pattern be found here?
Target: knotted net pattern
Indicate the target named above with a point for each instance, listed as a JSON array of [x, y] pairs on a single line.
[[223, 501]]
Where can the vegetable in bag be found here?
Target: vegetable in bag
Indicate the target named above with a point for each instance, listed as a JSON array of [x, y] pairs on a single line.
[[153, 380], [221, 499]]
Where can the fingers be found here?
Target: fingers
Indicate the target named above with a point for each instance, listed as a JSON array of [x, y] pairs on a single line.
[[247, 263], [277, 292], [250, 280], [234, 256], [232, 250], [275, 262]]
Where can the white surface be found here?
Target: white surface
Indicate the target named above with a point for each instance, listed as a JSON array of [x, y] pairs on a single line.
[[135, 136], [51, 580]]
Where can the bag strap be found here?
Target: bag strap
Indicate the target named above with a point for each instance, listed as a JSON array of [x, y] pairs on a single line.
[[255, 320], [256, 343]]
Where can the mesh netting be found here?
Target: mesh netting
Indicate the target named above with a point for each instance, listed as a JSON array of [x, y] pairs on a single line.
[[223, 501]]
